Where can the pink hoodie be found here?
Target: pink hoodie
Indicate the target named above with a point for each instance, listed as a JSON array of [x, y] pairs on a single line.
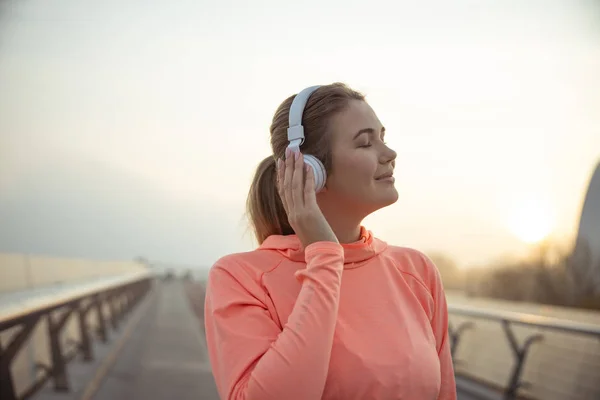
[[352, 321]]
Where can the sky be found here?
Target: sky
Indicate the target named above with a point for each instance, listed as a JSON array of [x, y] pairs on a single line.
[[133, 128]]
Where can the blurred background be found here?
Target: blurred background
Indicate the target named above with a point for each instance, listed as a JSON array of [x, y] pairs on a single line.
[[133, 128], [130, 130]]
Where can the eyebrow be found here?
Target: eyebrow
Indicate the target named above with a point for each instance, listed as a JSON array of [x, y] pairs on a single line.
[[370, 131]]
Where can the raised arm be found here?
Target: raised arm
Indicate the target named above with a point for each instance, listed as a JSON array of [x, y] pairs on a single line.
[[252, 358], [439, 325]]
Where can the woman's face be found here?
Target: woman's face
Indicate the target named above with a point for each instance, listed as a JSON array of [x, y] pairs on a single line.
[[362, 164]]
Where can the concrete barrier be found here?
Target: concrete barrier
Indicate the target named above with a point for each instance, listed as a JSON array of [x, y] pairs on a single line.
[[23, 271]]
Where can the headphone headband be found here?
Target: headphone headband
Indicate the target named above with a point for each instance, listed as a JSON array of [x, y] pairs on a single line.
[[295, 130]]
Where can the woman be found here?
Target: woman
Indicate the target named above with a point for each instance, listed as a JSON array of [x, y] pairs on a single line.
[[322, 309]]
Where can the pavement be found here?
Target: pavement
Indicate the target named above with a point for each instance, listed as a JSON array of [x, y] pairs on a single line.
[[165, 357], [469, 390]]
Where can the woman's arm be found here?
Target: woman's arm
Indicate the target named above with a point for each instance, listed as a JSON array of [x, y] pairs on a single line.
[[251, 357], [439, 324]]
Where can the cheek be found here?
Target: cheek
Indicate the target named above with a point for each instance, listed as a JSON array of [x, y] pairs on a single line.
[[354, 168]]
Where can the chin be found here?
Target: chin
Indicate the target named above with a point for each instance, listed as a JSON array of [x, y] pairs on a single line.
[[388, 195], [390, 198]]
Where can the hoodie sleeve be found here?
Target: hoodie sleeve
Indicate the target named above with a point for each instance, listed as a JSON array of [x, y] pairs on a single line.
[[251, 357], [439, 324]]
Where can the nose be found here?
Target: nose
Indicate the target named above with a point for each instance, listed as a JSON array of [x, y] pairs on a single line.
[[387, 155]]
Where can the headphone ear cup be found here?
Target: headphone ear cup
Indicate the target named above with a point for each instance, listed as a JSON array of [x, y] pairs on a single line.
[[319, 171]]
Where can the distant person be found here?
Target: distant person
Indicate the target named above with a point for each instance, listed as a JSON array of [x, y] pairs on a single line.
[[322, 309]]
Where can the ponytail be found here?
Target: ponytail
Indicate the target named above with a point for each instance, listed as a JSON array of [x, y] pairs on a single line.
[[264, 206]]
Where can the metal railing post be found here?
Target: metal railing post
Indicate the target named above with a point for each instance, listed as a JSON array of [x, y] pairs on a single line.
[[59, 368], [101, 320], [455, 335], [114, 317], [84, 333], [520, 353], [7, 389], [8, 353]]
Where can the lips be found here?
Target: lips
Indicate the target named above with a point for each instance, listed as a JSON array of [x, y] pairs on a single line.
[[384, 176]]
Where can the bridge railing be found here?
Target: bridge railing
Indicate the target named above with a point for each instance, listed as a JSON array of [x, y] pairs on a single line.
[[541, 325], [109, 298]]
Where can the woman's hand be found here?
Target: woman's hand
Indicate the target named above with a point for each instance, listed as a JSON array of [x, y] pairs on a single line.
[[296, 186]]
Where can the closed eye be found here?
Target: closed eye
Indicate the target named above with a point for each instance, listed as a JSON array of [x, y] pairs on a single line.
[[368, 134]]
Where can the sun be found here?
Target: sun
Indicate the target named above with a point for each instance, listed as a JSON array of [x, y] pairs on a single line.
[[531, 221]]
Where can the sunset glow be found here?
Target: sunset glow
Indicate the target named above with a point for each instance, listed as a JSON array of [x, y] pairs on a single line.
[[532, 221]]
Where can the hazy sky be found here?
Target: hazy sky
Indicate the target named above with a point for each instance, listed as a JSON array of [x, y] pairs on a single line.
[[133, 127]]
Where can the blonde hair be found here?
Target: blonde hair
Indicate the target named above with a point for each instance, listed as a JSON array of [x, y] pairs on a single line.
[[263, 205]]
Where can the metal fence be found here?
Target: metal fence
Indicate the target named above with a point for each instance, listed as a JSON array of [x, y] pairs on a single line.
[[559, 358], [105, 301]]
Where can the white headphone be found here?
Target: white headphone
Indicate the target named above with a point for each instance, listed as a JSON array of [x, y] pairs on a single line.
[[295, 134]]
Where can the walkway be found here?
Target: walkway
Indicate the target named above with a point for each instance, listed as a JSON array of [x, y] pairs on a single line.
[[165, 356]]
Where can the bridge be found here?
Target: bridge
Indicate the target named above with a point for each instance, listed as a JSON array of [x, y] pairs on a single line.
[[135, 335]]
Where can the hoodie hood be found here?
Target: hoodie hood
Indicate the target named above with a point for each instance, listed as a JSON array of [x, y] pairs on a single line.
[[356, 254]]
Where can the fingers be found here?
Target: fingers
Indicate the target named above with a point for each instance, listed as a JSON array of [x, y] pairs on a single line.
[[295, 183], [298, 181], [310, 197]]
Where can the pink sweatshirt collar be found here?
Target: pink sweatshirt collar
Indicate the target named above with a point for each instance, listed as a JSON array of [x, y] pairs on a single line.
[[355, 254]]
